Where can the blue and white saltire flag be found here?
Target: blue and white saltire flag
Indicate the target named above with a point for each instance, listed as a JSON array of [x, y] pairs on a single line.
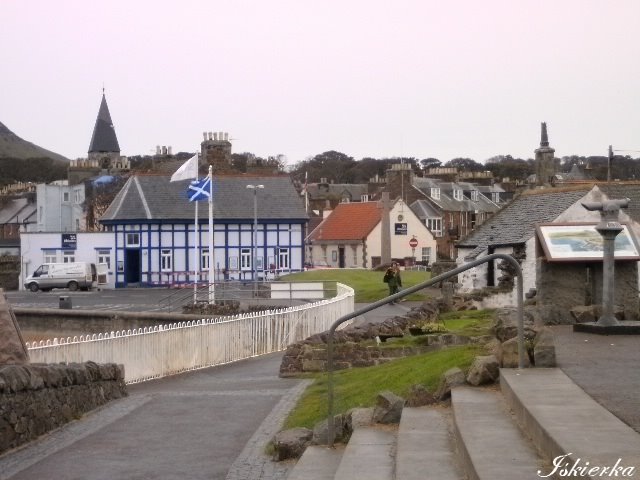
[[199, 190]]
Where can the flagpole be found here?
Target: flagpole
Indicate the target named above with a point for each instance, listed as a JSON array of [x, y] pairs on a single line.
[[212, 257], [196, 248]]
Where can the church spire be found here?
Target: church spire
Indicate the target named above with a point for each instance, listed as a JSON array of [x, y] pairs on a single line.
[[104, 138]]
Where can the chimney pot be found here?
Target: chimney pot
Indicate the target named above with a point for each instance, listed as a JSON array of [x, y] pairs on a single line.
[[204, 134], [215, 136]]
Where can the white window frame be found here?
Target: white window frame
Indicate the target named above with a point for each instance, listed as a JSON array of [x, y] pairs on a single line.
[[426, 254], [283, 258], [104, 256], [245, 259], [204, 259], [457, 194], [76, 195], [364, 198], [435, 193], [474, 195], [132, 239], [49, 256], [68, 256], [435, 225], [496, 197], [166, 260]]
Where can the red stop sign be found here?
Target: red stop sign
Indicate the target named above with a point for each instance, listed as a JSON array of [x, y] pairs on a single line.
[[413, 243]]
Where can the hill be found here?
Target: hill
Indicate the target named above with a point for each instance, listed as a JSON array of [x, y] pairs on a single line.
[[12, 146]]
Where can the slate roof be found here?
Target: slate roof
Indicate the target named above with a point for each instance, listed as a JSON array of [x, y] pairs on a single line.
[[516, 222], [18, 210], [104, 134], [155, 198], [348, 221], [447, 203], [630, 190], [352, 191]]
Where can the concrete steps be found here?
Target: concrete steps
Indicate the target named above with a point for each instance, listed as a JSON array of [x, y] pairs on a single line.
[[490, 442], [514, 432]]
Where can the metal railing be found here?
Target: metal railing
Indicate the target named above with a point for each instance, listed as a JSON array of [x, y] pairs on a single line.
[[408, 291], [166, 350]]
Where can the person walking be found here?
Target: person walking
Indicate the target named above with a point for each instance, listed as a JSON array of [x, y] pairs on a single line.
[[392, 279]]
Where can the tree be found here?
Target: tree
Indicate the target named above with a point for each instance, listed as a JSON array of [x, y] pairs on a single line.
[[430, 163], [465, 165]]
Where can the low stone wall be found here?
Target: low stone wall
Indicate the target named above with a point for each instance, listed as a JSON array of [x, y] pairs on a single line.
[[303, 357], [37, 398]]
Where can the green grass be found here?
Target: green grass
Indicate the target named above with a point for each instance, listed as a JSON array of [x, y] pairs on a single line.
[[367, 284], [359, 387], [472, 323]]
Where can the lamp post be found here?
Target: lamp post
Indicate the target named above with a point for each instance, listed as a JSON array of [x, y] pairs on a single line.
[[255, 233]]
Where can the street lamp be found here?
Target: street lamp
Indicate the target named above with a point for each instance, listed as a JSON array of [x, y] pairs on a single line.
[[255, 232]]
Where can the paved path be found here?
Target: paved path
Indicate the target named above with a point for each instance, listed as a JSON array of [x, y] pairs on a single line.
[[198, 425]]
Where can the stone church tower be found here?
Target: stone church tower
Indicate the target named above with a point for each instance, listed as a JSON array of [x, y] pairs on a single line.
[[545, 165], [215, 150]]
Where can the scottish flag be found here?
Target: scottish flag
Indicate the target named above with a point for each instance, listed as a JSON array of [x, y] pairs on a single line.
[[199, 190]]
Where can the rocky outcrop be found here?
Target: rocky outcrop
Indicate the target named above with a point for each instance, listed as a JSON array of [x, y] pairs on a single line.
[[451, 378], [484, 369], [388, 408], [291, 443], [37, 398]]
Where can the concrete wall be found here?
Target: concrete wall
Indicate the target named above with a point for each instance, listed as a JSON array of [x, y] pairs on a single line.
[[35, 399], [41, 323]]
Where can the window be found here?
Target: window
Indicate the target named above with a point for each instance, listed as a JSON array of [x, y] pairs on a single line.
[[133, 240], [49, 256], [435, 193], [76, 196], [166, 260], [65, 196], [77, 224], [104, 256], [435, 225], [457, 194], [426, 255], [204, 259], [474, 195], [245, 259], [495, 197], [69, 256], [283, 258], [364, 198]]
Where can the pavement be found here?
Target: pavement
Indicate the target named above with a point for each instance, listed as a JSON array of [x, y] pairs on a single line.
[[214, 423]]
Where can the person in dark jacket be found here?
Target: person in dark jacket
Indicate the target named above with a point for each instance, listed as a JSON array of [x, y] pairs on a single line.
[[392, 279]]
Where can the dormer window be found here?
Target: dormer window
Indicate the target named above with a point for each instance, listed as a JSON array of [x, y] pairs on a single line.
[[496, 197], [457, 194], [435, 193], [474, 195], [364, 198]]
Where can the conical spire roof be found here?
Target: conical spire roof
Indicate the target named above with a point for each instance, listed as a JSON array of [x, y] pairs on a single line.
[[104, 135]]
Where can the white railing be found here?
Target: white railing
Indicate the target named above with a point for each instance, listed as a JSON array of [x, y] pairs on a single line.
[[160, 351]]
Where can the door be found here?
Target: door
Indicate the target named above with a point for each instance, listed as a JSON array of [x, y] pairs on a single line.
[[132, 265], [341, 263]]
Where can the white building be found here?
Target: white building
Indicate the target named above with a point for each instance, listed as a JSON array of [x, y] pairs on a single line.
[[60, 207]]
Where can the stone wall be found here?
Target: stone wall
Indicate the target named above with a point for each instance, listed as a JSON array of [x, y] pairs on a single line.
[[562, 286], [37, 398]]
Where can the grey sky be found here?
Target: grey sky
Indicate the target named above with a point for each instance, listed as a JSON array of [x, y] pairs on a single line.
[[367, 78]]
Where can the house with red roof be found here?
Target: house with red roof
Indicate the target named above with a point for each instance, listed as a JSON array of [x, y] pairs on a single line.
[[351, 237]]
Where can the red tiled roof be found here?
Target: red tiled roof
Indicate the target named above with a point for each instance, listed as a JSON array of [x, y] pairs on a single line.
[[349, 221]]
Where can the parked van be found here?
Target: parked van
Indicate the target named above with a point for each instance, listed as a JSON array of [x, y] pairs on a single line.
[[62, 275]]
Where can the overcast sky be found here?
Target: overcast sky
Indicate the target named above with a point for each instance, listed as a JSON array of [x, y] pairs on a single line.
[[371, 78]]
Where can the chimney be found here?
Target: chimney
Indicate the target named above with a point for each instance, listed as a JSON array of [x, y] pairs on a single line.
[[164, 150], [220, 135], [204, 134], [226, 136], [210, 136], [157, 149], [169, 149], [215, 136]]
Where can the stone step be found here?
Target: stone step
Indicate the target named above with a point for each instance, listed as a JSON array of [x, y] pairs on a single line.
[[317, 463], [369, 455], [562, 419], [490, 443], [425, 447]]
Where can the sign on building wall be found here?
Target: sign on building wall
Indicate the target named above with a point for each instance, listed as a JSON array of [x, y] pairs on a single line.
[[401, 229], [69, 240]]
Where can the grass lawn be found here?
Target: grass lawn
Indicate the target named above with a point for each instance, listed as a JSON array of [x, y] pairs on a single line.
[[358, 387], [368, 285]]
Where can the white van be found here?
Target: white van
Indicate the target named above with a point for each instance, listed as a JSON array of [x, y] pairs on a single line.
[[62, 275]]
